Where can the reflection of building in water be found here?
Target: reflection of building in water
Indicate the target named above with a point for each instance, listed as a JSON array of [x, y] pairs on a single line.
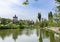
[[15, 19]]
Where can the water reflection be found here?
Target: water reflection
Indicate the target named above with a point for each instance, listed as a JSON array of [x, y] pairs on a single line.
[[40, 38], [47, 36], [28, 35], [52, 38]]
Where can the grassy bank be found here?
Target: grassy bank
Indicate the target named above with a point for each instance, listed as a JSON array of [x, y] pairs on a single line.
[[54, 30], [15, 26]]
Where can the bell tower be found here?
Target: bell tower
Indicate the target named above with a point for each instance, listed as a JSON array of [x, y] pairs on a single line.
[[15, 19]]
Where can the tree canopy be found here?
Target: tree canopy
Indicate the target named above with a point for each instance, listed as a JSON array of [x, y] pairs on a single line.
[[26, 2], [39, 16], [57, 1], [50, 15]]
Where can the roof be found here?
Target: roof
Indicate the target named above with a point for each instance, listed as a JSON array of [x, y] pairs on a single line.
[[15, 16]]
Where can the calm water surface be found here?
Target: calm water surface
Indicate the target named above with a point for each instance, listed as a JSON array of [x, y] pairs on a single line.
[[28, 35]]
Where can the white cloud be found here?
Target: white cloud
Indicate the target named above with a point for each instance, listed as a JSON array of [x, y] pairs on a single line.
[[8, 8], [10, 2], [7, 11]]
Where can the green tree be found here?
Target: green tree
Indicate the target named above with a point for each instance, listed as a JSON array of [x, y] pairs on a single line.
[[57, 13], [3, 21], [26, 2], [8, 21], [39, 16], [57, 18], [50, 15], [44, 23], [58, 1], [58, 7], [50, 18]]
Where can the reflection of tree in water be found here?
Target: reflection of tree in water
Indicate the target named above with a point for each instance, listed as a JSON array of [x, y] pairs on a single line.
[[15, 34], [20, 31], [5, 33], [43, 34], [46, 34], [40, 38], [38, 32], [3, 36], [28, 32], [52, 38]]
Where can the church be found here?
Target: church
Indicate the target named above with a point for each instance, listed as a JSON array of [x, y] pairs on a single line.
[[15, 19]]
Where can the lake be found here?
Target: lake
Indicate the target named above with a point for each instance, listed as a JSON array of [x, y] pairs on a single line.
[[28, 35]]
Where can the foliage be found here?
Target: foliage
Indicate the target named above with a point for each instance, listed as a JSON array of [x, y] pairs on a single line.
[[39, 16], [26, 2], [25, 23], [44, 23], [3, 21], [58, 7], [50, 15], [57, 18], [37, 24], [50, 19], [58, 1], [7, 23], [8, 20], [14, 32], [9, 26]]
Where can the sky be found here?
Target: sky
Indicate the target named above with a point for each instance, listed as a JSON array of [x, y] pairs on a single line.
[[8, 8]]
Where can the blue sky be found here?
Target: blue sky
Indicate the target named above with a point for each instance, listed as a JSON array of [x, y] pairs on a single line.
[[8, 8]]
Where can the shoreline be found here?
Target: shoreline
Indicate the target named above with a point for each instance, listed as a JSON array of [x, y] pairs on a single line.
[[54, 29]]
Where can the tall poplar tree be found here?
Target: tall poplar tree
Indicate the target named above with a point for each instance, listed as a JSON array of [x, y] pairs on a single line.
[[39, 16]]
